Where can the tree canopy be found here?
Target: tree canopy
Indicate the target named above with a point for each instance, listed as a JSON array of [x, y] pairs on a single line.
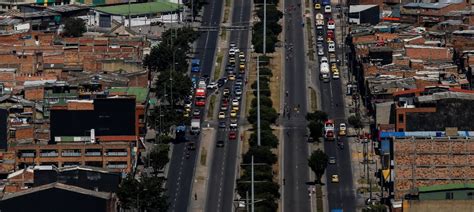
[[74, 27], [318, 161]]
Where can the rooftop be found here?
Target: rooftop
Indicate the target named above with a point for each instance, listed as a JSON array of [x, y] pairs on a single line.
[[139, 93], [102, 195], [445, 187], [140, 8], [360, 8], [415, 5]]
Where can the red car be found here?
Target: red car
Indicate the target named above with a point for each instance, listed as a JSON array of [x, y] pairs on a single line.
[[232, 135], [330, 34]]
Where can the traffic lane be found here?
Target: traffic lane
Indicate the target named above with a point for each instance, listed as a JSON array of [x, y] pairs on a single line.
[[215, 183], [177, 180], [296, 171], [229, 173]]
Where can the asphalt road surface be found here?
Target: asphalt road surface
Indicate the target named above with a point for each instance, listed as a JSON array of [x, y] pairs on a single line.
[[340, 195], [295, 168], [181, 168], [221, 184]]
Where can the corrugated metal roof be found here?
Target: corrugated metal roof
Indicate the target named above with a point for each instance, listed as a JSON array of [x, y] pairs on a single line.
[[426, 5], [445, 187]]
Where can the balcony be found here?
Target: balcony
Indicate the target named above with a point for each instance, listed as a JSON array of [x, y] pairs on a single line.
[[115, 154], [27, 155], [49, 154], [71, 154], [117, 166], [93, 154]]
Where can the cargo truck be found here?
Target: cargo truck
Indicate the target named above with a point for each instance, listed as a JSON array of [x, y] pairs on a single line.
[[324, 72]]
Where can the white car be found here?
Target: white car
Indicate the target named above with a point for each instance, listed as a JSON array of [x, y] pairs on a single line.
[[221, 115], [212, 85], [320, 38], [202, 84], [320, 52], [233, 123], [334, 178], [331, 47], [235, 102], [327, 9], [324, 60], [342, 126]]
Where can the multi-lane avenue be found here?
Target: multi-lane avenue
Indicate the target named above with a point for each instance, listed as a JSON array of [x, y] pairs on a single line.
[[220, 191], [295, 169], [341, 194], [181, 167]]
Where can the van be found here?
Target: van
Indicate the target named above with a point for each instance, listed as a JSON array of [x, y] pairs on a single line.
[[327, 9], [331, 47]]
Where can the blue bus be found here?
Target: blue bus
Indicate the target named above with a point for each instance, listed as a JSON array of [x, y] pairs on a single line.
[[195, 65]]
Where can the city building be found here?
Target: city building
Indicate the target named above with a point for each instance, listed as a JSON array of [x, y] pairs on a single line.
[[419, 167], [66, 198], [364, 14], [429, 14], [104, 134]]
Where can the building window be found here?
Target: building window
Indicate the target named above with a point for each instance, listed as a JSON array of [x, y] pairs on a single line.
[[400, 118], [449, 195], [470, 195]]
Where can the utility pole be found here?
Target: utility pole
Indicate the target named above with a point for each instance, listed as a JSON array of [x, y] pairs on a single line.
[[258, 102], [253, 190], [264, 29]]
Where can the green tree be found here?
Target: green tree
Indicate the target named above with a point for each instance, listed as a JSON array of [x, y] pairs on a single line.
[[175, 45], [180, 84], [375, 208], [355, 121], [318, 161], [261, 173], [267, 138], [273, 14], [262, 189], [317, 116], [127, 192], [152, 195], [257, 41], [158, 157], [74, 27], [261, 154], [264, 100], [315, 129], [266, 113]]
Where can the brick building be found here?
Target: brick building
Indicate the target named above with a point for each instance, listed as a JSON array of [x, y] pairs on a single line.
[[433, 108], [429, 14]]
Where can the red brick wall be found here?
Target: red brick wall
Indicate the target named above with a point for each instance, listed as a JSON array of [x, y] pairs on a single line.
[[438, 53], [80, 106], [34, 94], [138, 80], [24, 133]]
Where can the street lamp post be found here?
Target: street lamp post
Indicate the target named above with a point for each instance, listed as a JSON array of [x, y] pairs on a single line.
[[258, 102]]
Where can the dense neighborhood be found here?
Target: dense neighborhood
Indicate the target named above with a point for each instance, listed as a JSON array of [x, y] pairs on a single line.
[[235, 105]]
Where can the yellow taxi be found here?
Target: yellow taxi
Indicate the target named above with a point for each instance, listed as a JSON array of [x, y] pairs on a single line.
[[231, 77], [233, 114], [221, 115], [317, 6], [241, 65]]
